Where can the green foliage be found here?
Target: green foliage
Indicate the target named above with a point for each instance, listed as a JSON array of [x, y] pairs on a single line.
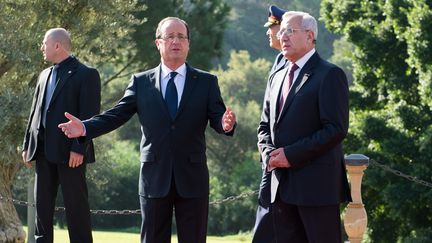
[[234, 161], [390, 108], [113, 184], [342, 56]]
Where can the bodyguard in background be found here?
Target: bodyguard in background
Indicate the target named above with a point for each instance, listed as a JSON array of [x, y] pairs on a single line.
[[70, 86], [263, 230], [174, 103], [303, 124]]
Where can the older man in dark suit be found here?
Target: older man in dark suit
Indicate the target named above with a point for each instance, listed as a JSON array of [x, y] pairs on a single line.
[[174, 103], [69, 86], [303, 124]]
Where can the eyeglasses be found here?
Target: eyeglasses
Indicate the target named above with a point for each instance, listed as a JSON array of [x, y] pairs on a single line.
[[171, 38], [288, 32]]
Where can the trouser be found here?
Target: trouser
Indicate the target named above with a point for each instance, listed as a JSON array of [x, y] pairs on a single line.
[[263, 231], [191, 215], [75, 196], [304, 224]]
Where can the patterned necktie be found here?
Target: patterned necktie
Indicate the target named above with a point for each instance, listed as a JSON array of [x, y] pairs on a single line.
[[171, 97], [287, 86], [49, 92]]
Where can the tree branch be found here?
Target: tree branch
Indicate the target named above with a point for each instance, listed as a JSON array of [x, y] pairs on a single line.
[[119, 72]]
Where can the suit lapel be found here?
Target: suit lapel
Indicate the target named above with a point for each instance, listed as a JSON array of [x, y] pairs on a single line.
[[301, 79], [63, 77], [277, 84], [190, 82], [156, 80], [43, 83]]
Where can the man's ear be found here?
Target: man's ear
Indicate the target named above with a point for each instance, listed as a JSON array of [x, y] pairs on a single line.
[[157, 43], [311, 36]]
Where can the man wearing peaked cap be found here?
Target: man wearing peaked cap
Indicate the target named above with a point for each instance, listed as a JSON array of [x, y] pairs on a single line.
[[263, 229]]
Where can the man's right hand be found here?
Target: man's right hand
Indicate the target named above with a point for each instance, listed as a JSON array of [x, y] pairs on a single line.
[[73, 128], [24, 157]]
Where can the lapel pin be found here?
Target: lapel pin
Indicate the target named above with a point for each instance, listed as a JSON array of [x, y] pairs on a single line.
[[70, 72], [304, 79]]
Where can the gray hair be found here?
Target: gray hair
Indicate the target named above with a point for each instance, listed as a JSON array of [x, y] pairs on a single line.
[[159, 27], [308, 21], [62, 36]]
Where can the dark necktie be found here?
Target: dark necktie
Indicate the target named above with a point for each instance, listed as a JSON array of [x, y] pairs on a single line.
[[49, 92], [287, 86], [171, 97]]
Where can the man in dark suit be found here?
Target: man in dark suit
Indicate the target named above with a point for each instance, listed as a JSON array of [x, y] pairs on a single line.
[[67, 86], [174, 103], [263, 230], [303, 124]]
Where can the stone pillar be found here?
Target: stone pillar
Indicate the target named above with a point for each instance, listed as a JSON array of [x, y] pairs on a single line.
[[355, 221]]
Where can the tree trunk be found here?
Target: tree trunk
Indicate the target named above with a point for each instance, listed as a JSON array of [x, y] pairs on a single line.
[[11, 229]]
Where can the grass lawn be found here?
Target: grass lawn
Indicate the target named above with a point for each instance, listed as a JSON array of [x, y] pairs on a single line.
[[61, 236]]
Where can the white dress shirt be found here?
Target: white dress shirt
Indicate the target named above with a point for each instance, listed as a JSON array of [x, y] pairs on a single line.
[[179, 80]]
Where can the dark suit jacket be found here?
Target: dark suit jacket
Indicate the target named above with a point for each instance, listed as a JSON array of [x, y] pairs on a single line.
[[168, 147], [310, 128], [77, 92]]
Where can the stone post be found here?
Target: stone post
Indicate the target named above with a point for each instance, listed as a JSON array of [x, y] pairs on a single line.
[[356, 218]]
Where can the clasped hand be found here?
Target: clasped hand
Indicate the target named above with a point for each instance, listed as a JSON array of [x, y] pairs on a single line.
[[278, 160]]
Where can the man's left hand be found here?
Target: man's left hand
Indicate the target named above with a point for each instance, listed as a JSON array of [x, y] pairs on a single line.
[[75, 159], [228, 120]]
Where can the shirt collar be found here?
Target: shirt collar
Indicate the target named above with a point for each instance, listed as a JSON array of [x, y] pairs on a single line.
[[302, 61], [165, 71]]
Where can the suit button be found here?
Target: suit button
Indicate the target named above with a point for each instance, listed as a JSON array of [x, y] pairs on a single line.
[[172, 127]]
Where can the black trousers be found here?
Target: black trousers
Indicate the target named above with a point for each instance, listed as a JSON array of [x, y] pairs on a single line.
[[75, 196], [191, 215], [303, 224], [263, 231]]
